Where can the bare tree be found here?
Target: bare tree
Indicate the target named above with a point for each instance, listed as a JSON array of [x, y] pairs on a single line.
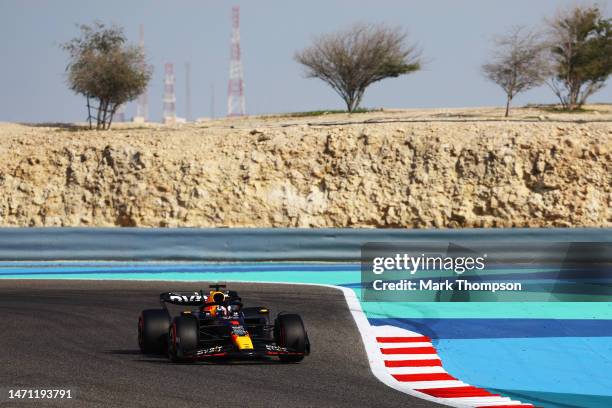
[[581, 53], [518, 63], [351, 60], [104, 69]]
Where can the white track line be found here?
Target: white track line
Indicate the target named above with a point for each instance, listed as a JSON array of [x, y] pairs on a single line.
[[392, 357], [405, 345], [416, 370]]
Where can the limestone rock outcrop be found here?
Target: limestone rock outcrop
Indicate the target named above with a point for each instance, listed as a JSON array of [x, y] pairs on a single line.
[[412, 175]]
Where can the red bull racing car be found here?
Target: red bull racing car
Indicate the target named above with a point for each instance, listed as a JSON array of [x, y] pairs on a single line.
[[216, 325]]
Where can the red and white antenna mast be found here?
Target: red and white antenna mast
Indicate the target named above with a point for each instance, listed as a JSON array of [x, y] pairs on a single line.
[[169, 115], [235, 88], [188, 91], [142, 106]]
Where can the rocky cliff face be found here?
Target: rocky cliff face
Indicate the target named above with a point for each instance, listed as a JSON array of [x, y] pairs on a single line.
[[414, 175]]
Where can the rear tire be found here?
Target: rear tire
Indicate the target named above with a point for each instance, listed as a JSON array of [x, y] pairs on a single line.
[[153, 327], [289, 332], [183, 337]]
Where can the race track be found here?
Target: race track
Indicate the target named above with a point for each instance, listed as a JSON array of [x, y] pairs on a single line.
[[82, 334]]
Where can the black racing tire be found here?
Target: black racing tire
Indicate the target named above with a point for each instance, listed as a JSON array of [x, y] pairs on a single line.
[[289, 332], [183, 337], [153, 327]]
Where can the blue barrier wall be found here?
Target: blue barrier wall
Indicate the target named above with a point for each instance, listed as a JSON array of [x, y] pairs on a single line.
[[239, 244]]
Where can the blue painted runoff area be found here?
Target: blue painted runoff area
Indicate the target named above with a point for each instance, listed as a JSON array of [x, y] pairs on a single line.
[[479, 328], [546, 371]]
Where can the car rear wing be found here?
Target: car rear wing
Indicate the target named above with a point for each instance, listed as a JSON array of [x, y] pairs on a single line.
[[183, 298]]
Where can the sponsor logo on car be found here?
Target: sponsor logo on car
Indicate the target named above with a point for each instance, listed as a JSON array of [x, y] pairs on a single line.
[[186, 298], [211, 350]]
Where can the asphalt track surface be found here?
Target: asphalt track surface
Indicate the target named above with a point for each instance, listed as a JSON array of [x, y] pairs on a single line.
[[82, 335]]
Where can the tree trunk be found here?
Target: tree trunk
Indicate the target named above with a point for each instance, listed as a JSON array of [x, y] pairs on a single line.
[[508, 100], [358, 100], [102, 123], [349, 104], [98, 115], [573, 97], [112, 114], [89, 111]]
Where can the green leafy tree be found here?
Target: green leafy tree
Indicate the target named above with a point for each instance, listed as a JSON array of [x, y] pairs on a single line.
[[581, 52], [351, 60], [107, 71]]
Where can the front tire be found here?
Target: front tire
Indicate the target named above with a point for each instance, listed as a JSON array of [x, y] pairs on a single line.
[[153, 325], [289, 332], [183, 338]]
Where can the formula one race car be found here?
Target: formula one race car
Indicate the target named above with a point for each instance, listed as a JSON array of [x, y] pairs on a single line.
[[216, 325]]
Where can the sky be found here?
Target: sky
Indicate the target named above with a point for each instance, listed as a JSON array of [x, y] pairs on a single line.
[[455, 38]]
